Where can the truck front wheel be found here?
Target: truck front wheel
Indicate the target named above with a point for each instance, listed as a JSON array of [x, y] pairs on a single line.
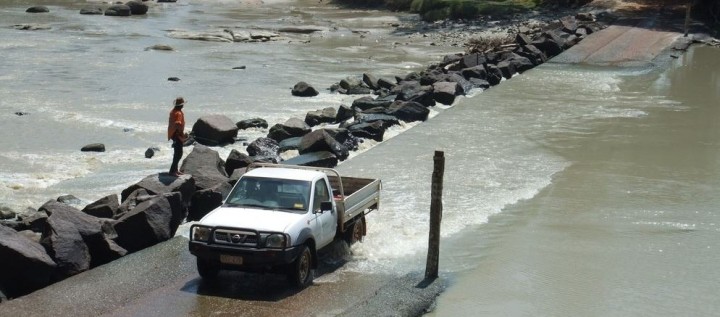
[[301, 273], [207, 269]]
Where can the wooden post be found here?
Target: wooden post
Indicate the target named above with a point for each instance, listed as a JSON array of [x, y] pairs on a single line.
[[431, 268], [687, 16]]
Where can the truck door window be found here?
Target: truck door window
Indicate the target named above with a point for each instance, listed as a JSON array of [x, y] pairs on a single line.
[[321, 194]]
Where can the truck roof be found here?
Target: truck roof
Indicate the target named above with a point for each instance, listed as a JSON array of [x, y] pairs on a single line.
[[285, 173]]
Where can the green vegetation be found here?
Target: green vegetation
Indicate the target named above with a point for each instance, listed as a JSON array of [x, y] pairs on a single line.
[[431, 10]]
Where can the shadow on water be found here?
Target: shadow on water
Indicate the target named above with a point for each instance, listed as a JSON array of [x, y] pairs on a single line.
[[268, 287]]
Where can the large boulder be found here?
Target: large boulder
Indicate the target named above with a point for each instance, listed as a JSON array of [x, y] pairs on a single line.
[[162, 183], [444, 92], [413, 91], [267, 147], [106, 207], [303, 89], [293, 127], [25, 266], [37, 9], [252, 123], [150, 222], [214, 130], [118, 10], [367, 130], [93, 147], [236, 160], [206, 200], [317, 117], [320, 140], [367, 102], [137, 7], [408, 111], [205, 166], [316, 159], [96, 233]]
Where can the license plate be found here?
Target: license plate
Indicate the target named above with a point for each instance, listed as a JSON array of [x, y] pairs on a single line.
[[231, 259]]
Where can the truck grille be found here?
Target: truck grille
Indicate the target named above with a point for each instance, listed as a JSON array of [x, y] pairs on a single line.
[[233, 237]]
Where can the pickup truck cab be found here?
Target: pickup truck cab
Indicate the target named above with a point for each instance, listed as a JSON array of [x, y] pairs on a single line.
[[276, 217]]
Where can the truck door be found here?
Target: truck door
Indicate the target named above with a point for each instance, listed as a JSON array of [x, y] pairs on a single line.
[[327, 220]]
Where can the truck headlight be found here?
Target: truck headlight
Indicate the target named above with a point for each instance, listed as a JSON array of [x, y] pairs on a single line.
[[275, 240], [201, 234]]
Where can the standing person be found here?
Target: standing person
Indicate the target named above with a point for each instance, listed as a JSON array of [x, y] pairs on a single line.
[[176, 133]]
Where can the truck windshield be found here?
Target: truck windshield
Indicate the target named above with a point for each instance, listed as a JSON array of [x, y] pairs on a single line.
[[270, 193]]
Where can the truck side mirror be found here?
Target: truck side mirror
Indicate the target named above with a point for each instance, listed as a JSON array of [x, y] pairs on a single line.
[[325, 206]]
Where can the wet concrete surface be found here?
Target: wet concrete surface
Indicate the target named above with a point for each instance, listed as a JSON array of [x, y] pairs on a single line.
[[162, 281]]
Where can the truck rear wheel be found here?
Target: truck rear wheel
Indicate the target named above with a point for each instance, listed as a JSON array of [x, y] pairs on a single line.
[[301, 273], [207, 269], [356, 232]]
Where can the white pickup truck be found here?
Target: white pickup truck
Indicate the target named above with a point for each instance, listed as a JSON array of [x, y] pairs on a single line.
[[276, 218]]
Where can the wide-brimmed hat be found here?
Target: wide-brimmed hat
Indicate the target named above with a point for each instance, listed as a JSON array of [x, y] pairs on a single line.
[[179, 102]]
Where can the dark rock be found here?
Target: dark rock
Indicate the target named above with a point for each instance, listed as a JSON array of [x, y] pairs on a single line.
[[173, 79], [252, 123], [91, 11], [25, 266], [263, 147], [36, 221], [106, 207], [150, 222], [494, 75], [408, 111], [507, 69], [317, 159], [344, 113], [96, 234], [239, 67], [472, 60], [118, 10], [385, 83], [303, 89], [444, 92], [162, 183], [205, 166], [474, 72], [451, 59], [293, 127], [368, 130], [289, 144], [317, 117], [69, 199], [21, 113], [464, 84], [150, 152], [480, 83], [7, 213], [367, 102], [94, 147], [320, 140], [160, 47], [38, 9], [549, 44], [413, 91], [137, 7], [371, 81], [236, 160], [214, 130], [204, 201]]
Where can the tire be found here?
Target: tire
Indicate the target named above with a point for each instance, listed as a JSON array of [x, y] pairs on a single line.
[[356, 232], [301, 271], [207, 269]]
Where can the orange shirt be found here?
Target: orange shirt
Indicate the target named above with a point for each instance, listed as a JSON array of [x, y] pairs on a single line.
[[176, 124]]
